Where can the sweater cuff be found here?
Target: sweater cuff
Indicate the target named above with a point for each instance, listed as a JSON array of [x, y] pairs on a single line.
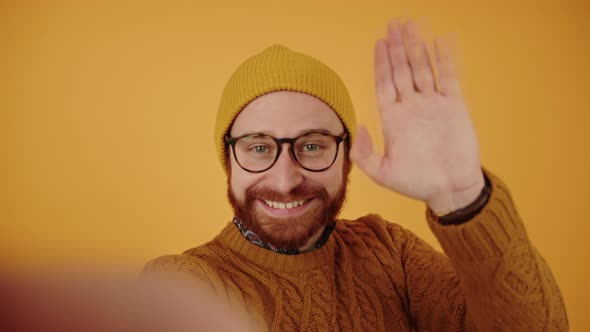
[[488, 234]]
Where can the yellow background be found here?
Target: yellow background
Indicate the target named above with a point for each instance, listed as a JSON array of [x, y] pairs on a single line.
[[107, 112]]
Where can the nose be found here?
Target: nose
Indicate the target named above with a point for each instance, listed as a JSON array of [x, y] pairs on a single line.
[[286, 173]]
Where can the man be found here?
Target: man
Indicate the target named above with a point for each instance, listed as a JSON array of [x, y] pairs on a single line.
[[286, 134]]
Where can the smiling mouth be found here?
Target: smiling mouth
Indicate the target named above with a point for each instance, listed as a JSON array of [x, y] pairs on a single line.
[[284, 206]]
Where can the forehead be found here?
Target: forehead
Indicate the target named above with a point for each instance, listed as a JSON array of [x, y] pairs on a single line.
[[286, 114]]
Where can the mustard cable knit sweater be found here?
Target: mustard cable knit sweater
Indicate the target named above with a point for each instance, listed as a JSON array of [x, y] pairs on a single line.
[[372, 275]]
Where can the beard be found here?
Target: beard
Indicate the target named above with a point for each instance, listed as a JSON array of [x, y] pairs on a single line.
[[288, 232]]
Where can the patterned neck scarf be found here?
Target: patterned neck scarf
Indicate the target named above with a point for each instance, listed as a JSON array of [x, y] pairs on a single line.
[[252, 237]]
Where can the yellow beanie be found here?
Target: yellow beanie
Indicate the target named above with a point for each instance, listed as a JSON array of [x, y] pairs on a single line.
[[279, 68]]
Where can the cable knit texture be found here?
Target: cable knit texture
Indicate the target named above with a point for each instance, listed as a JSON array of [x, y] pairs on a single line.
[[372, 275]]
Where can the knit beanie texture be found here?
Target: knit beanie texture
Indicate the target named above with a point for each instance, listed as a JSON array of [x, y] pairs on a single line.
[[277, 68]]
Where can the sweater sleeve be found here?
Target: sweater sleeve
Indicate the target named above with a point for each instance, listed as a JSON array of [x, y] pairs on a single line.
[[493, 278], [191, 270], [184, 267], [200, 291]]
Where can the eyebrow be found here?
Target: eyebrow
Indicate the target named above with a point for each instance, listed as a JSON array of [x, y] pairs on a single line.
[[299, 133]]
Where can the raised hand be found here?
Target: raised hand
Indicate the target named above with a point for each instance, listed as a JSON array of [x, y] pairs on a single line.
[[431, 150]]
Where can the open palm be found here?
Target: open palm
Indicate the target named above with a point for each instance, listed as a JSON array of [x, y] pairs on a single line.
[[431, 150]]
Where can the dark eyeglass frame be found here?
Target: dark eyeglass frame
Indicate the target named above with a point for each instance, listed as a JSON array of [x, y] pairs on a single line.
[[280, 141]]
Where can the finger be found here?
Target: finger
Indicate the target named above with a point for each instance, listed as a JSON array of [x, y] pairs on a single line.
[[363, 154], [448, 80], [418, 58], [384, 87], [401, 73]]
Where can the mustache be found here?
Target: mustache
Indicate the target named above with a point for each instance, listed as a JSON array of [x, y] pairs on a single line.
[[300, 192]]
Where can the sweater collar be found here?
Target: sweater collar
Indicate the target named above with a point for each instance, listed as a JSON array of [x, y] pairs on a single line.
[[232, 238], [254, 238]]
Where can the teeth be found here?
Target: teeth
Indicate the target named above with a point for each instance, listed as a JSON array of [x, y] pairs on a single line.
[[290, 205]]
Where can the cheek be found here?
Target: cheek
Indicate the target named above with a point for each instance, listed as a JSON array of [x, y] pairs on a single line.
[[333, 178], [240, 181]]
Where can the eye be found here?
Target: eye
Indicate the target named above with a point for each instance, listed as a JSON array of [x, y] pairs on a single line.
[[311, 147], [260, 148]]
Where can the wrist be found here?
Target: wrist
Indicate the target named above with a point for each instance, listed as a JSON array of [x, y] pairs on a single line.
[[447, 202]]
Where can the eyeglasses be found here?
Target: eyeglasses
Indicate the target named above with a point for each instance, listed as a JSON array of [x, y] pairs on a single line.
[[314, 151]]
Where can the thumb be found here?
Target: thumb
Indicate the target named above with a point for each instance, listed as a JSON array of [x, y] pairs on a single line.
[[363, 154]]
